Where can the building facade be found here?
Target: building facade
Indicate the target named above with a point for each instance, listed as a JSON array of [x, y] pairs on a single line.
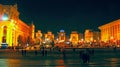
[[74, 38], [96, 36], [92, 36], [88, 35], [49, 36], [111, 32], [62, 36], [38, 37], [14, 31]]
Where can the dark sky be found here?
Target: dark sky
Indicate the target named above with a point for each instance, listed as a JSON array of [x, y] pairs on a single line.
[[53, 15]]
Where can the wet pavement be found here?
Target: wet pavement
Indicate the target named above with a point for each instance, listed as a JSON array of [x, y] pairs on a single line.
[[101, 58]]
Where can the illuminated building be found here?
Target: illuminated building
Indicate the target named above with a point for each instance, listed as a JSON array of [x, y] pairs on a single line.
[[38, 37], [62, 40], [96, 36], [81, 37], [110, 32], [49, 36], [49, 39], [61, 36], [14, 31], [74, 38], [92, 36], [88, 35], [32, 33]]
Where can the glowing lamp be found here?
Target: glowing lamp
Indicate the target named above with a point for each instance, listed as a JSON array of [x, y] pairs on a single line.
[[5, 17]]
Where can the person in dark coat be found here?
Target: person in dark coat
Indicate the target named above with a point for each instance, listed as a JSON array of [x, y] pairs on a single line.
[[35, 50], [64, 53], [85, 57], [43, 51], [25, 52], [80, 54], [22, 52]]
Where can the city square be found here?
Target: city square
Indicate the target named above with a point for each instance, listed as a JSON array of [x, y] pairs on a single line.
[[101, 58], [59, 33]]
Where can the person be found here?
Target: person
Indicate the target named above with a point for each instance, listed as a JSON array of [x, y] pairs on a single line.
[[92, 51], [35, 51], [63, 52], [85, 57], [22, 52], [73, 49], [80, 54], [25, 52], [115, 49], [43, 53]]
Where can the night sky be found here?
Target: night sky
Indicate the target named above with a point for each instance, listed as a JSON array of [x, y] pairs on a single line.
[[78, 15]]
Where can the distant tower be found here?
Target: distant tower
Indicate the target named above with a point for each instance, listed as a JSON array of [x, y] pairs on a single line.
[[32, 33], [61, 36], [38, 37]]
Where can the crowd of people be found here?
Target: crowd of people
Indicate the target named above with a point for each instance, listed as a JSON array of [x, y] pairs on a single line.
[[83, 55]]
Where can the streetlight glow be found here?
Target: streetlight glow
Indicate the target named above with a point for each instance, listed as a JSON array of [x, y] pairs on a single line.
[[5, 17]]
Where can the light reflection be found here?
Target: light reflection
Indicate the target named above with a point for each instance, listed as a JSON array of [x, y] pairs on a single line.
[[61, 63], [13, 63], [3, 63], [60, 66]]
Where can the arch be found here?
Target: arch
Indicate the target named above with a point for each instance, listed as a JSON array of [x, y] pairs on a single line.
[[19, 40]]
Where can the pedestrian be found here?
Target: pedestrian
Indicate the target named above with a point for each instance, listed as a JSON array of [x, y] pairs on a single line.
[[63, 52], [43, 53], [25, 52], [36, 53], [22, 52], [85, 57], [92, 51], [115, 49], [80, 54], [73, 49]]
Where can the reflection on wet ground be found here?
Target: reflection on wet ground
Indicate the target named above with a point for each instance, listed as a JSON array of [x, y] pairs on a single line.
[[57, 63], [99, 59]]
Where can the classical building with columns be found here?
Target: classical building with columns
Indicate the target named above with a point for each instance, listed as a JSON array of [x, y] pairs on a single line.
[[14, 31], [110, 32]]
